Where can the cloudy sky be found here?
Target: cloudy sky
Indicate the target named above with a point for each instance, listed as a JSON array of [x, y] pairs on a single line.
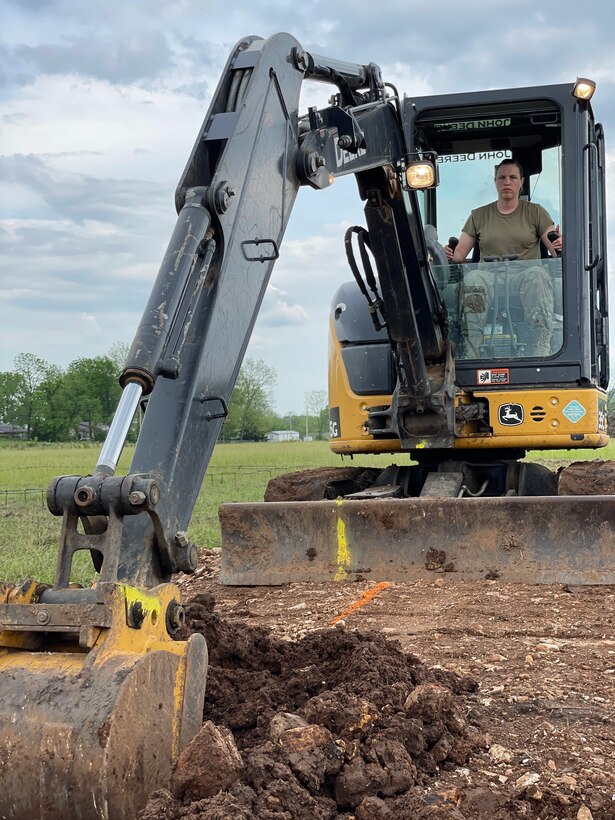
[[101, 102]]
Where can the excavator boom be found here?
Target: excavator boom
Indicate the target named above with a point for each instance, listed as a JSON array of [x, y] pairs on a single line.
[[97, 698]]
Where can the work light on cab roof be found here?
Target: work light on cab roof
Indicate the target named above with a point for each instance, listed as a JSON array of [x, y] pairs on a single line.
[[583, 89]]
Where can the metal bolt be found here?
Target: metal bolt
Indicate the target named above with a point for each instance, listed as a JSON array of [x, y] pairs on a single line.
[[176, 617], [300, 58], [313, 162], [181, 539], [43, 617], [223, 196], [137, 497], [187, 557], [154, 494], [84, 496], [344, 142]]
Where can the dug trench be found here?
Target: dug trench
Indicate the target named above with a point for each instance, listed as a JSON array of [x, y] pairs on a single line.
[[318, 705]]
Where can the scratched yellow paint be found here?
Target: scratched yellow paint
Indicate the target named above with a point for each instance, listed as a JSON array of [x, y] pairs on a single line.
[[150, 602], [343, 553]]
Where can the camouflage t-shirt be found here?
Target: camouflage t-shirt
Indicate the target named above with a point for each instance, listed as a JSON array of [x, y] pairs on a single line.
[[518, 232]]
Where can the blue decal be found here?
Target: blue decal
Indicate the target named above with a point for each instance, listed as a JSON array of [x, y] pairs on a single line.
[[574, 411]]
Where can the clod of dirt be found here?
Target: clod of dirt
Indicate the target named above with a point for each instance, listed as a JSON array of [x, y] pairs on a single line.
[[312, 754], [211, 763], [337, 724]]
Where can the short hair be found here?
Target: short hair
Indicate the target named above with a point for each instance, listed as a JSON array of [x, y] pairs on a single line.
[[509, 162]]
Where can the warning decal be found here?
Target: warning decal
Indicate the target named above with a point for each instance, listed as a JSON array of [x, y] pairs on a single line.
[[498, 375]]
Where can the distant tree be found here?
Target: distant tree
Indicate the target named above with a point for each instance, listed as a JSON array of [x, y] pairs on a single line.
[[118, 353], [32, 372], [92, 392], [316, 406], [50, 402], [11, 392], [250, 408], [50, 422]]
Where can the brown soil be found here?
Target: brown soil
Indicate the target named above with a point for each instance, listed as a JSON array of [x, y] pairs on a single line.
[[508, 713]]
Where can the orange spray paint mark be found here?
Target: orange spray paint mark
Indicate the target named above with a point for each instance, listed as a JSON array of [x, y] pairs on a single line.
[[364, 599]]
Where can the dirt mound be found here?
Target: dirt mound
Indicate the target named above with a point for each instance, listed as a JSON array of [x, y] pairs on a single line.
[[587, 478], [320, 483], [337, 724]]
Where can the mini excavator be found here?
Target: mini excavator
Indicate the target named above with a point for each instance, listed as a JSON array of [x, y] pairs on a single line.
[[97, 696]]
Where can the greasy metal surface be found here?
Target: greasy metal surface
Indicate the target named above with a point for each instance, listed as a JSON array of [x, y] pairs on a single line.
[[529, 540], [251, 151], [87, 741], [91, 734], [50, 617]]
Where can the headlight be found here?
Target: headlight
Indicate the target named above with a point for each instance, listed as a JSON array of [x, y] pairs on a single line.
[[420, 175], [583, 89]]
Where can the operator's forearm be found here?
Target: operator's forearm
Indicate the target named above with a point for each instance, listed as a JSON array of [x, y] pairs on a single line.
[[464, 246]]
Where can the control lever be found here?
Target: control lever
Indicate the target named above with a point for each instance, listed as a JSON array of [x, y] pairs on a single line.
[[455, 270], [552, 236]]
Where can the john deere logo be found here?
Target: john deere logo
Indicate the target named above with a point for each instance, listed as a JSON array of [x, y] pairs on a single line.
[[510, 414]]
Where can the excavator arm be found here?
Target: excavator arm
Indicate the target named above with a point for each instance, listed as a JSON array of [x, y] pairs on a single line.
[[234, 200], [97, 698]]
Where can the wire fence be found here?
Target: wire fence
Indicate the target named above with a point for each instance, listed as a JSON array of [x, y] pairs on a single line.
[[36, 495], [23, 497], [237, 474]]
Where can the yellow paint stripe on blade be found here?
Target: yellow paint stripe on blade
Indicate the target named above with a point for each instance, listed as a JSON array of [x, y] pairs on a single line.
[[343, 553]]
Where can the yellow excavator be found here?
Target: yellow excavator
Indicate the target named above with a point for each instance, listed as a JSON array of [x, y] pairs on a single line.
[[97, 697]]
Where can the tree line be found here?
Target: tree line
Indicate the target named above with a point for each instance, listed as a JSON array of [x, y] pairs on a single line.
[[49, 403]]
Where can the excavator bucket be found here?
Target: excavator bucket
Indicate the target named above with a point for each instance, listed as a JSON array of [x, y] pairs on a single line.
[[557, 539], [93, 720]]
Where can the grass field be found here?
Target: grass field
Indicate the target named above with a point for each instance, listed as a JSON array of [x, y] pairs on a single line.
[[29, 534]]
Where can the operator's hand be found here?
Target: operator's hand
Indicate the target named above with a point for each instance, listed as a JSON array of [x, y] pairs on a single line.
[[556, 240], [449, 248], [558, 243]]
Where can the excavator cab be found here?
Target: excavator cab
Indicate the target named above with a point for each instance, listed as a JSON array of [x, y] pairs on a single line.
[[553, 137], [516, 326]]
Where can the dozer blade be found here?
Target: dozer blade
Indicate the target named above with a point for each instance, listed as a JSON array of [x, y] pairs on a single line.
[[516, 539], [90, 734]]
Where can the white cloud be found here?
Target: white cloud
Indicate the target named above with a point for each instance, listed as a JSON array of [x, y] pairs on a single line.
[[92, 127], [93, 151], [281, 314]]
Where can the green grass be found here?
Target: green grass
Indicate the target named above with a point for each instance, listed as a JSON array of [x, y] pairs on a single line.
[[29, 534]]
